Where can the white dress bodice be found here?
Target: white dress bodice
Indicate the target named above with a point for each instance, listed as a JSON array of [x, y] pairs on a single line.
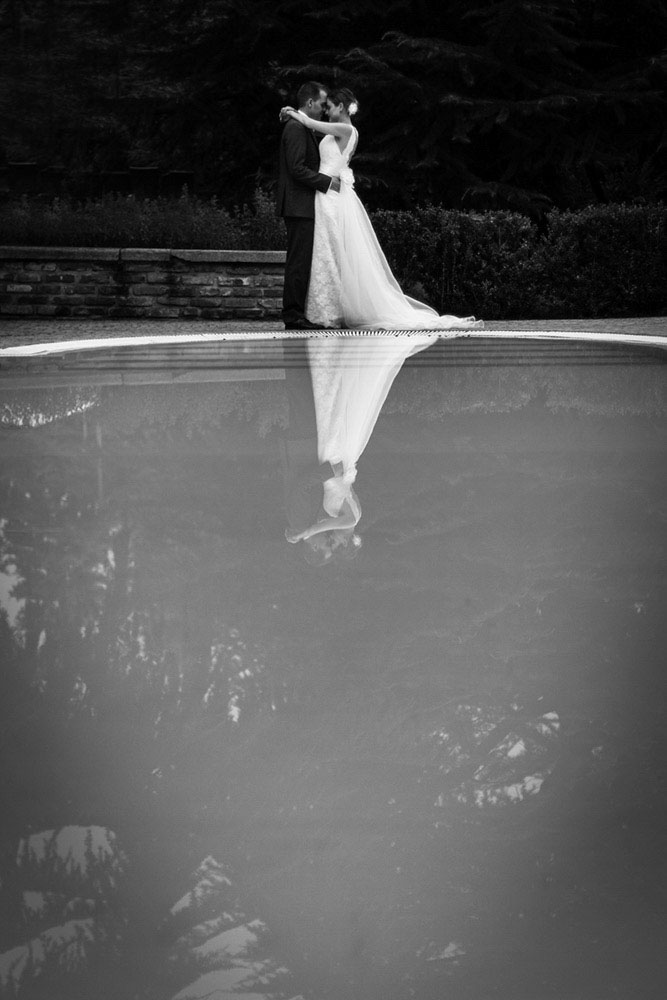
[[333, 161]]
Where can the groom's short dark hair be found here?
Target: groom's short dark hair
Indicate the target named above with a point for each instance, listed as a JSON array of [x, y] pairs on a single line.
[[308, 92]]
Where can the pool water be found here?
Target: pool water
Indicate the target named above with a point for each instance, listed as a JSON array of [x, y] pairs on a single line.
[[438, 769]]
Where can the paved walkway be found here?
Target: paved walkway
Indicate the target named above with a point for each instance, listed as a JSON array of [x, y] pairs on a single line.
[[17, 332]]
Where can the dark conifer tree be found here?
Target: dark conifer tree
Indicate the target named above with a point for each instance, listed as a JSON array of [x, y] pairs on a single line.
[[498, 103]]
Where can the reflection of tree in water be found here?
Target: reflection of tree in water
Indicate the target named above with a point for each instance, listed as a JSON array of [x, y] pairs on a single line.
[[610, 390], [34, 407], [79, 919], [192, 413], [105, 683], [362, 745]]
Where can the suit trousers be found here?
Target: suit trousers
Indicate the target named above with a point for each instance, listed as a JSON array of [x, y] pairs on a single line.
[[302, 422], [300, 232]]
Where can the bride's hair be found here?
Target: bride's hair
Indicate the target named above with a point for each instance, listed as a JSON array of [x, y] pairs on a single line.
[[344, 96], [316, 552], [315, 557]]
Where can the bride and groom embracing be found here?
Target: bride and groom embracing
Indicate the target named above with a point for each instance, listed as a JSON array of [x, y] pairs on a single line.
[[336, 274], [337, 277]]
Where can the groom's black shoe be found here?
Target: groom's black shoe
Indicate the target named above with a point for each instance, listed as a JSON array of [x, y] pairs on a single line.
[[303, 324]]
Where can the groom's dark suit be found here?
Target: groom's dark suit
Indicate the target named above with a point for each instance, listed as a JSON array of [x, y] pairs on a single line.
[[298, 181]]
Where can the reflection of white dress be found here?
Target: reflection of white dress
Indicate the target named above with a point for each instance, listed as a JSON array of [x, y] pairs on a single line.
[[351, 283], [337, 490], [352, 376]]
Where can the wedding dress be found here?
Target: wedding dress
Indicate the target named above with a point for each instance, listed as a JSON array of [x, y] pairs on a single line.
[[351, 283]]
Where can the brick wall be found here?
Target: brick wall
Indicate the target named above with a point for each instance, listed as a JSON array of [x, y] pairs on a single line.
[[161, 284]]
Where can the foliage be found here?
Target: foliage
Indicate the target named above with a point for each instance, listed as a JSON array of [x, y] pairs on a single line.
[[499, 104], [517, 104], [607, 260], [122, 221]]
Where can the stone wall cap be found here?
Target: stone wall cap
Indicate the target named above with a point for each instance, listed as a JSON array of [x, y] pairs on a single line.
[[141, 253], [59, 253], [231, 256]]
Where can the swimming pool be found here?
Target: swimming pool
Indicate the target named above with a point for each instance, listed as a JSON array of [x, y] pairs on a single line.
[[436, 769]]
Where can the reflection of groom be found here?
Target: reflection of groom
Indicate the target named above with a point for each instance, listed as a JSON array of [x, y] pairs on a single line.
[[298, 180], [303, 473]]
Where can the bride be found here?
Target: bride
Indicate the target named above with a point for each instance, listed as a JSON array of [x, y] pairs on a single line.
[[352, 285]]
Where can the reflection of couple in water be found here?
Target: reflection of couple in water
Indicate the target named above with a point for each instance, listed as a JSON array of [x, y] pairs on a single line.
[[336, 387], [337, 276]]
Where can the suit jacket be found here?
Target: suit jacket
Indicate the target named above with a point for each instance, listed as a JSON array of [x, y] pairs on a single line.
[[299, 177]]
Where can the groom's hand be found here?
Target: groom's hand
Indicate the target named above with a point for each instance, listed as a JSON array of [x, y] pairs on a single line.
[[335, 184]]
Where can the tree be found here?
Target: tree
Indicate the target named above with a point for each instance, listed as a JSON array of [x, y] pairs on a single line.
[[505, 103], [518, 105]]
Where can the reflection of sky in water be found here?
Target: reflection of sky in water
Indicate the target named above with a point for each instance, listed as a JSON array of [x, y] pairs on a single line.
[[435, 770], [8, 581]]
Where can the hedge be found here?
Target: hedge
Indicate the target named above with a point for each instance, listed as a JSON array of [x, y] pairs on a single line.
[[187, 223], [605, 260], [608, 260]]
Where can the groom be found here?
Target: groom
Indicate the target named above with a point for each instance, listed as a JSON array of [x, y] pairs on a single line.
[[298, 180]]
